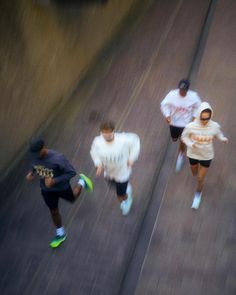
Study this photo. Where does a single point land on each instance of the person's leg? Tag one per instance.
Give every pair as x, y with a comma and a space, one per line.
84, 182
60, 231
129, 190
182, 146
202, 171
52, 200
56, 217
194, 164
121, 188
176, 135
122, 198
77, 191
123, 191
194, 169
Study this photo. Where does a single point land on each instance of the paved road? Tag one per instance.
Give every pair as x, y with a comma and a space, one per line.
187, 252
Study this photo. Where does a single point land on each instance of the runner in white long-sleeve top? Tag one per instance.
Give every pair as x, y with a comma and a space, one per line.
179, 108
113, 154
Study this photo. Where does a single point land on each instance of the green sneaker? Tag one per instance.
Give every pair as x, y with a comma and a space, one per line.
57, 241
88, 182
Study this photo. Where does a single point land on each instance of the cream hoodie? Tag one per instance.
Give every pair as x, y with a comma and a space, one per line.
114, 156
199, 138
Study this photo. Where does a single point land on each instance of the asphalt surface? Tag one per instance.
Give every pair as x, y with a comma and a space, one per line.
162, 246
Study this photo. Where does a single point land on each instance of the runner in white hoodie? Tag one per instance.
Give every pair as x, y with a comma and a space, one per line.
198, 137
114, 154
179, 108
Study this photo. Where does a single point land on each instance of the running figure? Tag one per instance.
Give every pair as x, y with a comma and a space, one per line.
198, 137
114, 154
179, 108
55, 173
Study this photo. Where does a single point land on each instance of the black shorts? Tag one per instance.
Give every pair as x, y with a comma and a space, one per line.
121, 187
175, 132
204, 163
51, 198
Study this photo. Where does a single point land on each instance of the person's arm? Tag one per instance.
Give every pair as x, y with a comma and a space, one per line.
134, 148
185, 137
196, 106
67, 171
219, 135
31, 174
165, 108
96, 159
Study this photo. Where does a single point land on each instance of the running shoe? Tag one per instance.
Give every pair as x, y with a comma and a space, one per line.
57, 241
88, 182
126, 205
196, 200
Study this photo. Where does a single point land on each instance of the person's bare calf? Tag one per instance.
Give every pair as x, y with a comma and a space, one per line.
56, 217
194, 169
77, 190
122, 198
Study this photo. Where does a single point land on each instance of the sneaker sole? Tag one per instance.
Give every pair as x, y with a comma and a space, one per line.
57, 244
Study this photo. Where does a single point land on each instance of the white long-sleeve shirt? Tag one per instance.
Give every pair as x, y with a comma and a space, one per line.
199, 138
114, 156
180, 109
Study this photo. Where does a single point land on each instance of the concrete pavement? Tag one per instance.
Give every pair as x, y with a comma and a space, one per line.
128, 88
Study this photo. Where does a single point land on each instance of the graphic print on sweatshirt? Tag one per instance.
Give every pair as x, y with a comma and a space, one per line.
43, 171
202, 139
113, 158
181, 111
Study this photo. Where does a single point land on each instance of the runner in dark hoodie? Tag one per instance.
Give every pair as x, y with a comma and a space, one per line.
55, 173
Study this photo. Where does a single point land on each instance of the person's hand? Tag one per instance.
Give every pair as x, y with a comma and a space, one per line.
99, 171
30, 176
130, 163
168, 120
49, 182
225, 140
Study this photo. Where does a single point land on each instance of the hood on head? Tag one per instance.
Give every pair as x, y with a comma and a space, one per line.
203, 106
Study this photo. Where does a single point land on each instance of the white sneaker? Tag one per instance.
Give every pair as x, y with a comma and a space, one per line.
179, 162
196, 200
126, 205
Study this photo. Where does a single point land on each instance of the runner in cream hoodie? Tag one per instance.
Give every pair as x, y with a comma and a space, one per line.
113, 154
198, 137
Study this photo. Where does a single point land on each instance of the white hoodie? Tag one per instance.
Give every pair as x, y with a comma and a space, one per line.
181, 109
199, 138
114, 156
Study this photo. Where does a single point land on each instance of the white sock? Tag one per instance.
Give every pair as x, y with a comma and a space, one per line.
60, 231
81, 182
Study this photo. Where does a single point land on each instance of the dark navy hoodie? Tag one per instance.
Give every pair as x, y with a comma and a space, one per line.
54, 165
